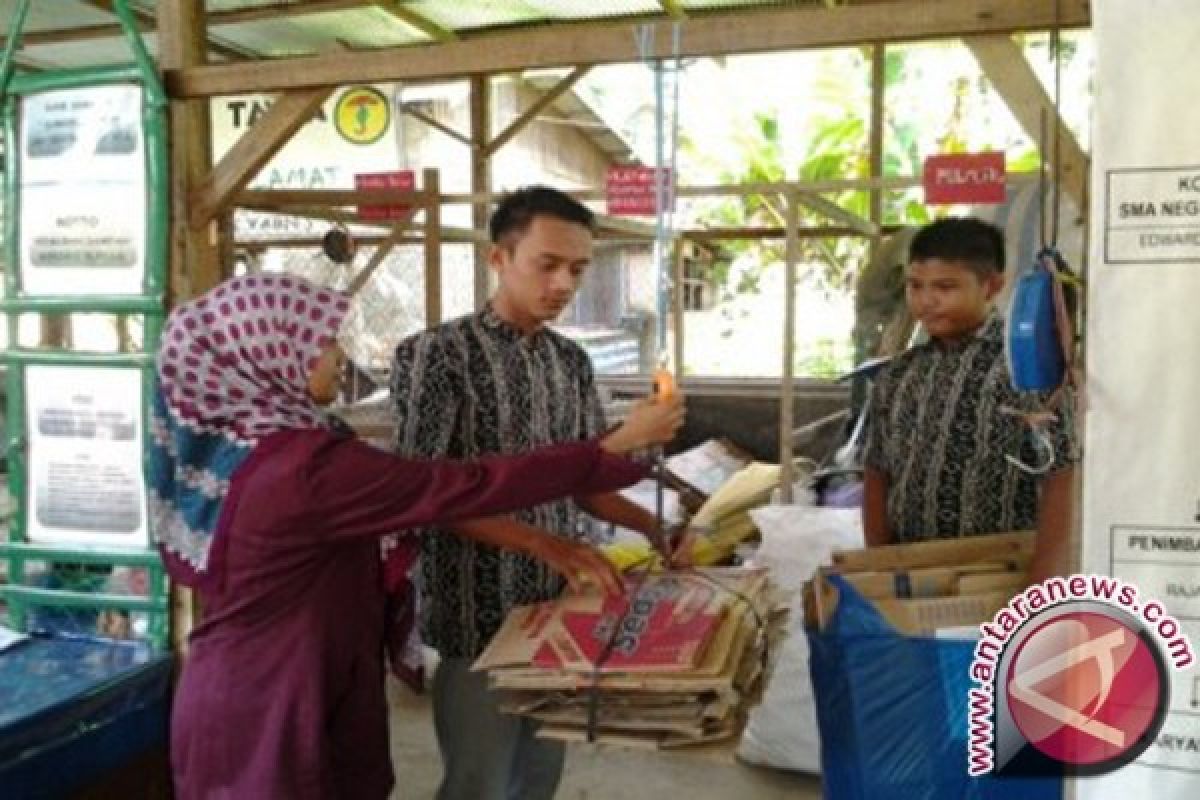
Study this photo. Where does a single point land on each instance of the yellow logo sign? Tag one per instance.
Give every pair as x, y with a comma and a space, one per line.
362, 115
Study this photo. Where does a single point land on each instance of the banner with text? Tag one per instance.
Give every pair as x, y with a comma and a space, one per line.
1141, 519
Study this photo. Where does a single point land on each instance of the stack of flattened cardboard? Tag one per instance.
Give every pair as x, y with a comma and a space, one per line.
673, 663
929, 586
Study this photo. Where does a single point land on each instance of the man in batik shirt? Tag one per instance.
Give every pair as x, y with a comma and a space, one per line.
500, 381
951, 451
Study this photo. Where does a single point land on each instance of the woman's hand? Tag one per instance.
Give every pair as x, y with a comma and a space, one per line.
581, 564
650, 422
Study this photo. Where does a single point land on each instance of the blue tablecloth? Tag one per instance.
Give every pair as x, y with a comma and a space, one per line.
73, 709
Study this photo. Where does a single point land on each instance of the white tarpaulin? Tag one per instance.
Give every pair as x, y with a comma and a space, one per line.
1141, 490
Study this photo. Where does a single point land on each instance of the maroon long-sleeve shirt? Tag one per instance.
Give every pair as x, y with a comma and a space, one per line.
282, 695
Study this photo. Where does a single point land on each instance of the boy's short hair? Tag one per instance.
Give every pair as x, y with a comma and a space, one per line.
516, 211
971, 241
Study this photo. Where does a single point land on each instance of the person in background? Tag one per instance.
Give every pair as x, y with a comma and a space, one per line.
950, 450
275, 520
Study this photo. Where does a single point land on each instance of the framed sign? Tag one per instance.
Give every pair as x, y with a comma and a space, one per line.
84, 426
82, 183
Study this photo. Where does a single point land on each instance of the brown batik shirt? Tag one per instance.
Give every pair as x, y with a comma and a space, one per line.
940, 433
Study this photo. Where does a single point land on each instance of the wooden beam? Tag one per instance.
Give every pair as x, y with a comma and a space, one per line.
194, 254
678, 276
435, 123
1006, 67
564, 45
704, 235
836, 213
282, 199
787, 394
194, 258
401, 11
381, 253
538, 106
27, 64
877, 125
431, 184
254, 149
481, 180
315, 242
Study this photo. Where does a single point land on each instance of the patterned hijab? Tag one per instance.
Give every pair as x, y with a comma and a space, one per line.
233, 368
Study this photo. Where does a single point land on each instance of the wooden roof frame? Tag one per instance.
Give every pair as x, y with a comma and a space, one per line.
592, 42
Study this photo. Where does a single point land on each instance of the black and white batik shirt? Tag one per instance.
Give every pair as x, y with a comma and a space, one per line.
475, 386
940, 432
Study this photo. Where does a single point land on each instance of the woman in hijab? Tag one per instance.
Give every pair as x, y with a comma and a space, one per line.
275, 520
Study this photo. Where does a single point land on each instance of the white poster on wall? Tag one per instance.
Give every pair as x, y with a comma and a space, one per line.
82, 170
353, 132
1141, 517
85, 481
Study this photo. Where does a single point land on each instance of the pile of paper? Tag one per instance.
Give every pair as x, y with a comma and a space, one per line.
674, 663
929, 587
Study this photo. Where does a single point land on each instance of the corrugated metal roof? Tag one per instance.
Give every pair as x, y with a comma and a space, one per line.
506, 13
316, 33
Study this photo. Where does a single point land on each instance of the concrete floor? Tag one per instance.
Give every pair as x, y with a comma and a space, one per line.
595, 773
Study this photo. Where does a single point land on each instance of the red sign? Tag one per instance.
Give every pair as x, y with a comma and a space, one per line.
630, 190
965, 178
402, 179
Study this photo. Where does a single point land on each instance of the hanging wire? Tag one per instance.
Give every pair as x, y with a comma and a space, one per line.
665, 165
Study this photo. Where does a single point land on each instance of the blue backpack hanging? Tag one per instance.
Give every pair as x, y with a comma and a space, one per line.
1034, 337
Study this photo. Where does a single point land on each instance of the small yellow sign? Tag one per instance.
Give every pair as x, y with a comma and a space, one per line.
362, 115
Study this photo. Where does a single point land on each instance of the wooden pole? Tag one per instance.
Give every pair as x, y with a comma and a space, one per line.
531, 113
194, 252
481, 177
678, 266
431, 179
195, 264
1009, 71
787, 387
878, 121
399, 228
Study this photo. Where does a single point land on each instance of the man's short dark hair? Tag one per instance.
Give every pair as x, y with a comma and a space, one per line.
978, 244
516, 211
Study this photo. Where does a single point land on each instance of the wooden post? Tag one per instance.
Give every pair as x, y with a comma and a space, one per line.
194, 253
878, 100
1009, 71
858, 387
481, 177
431, 182
55, 331
787, 387
382, 250
678, 269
